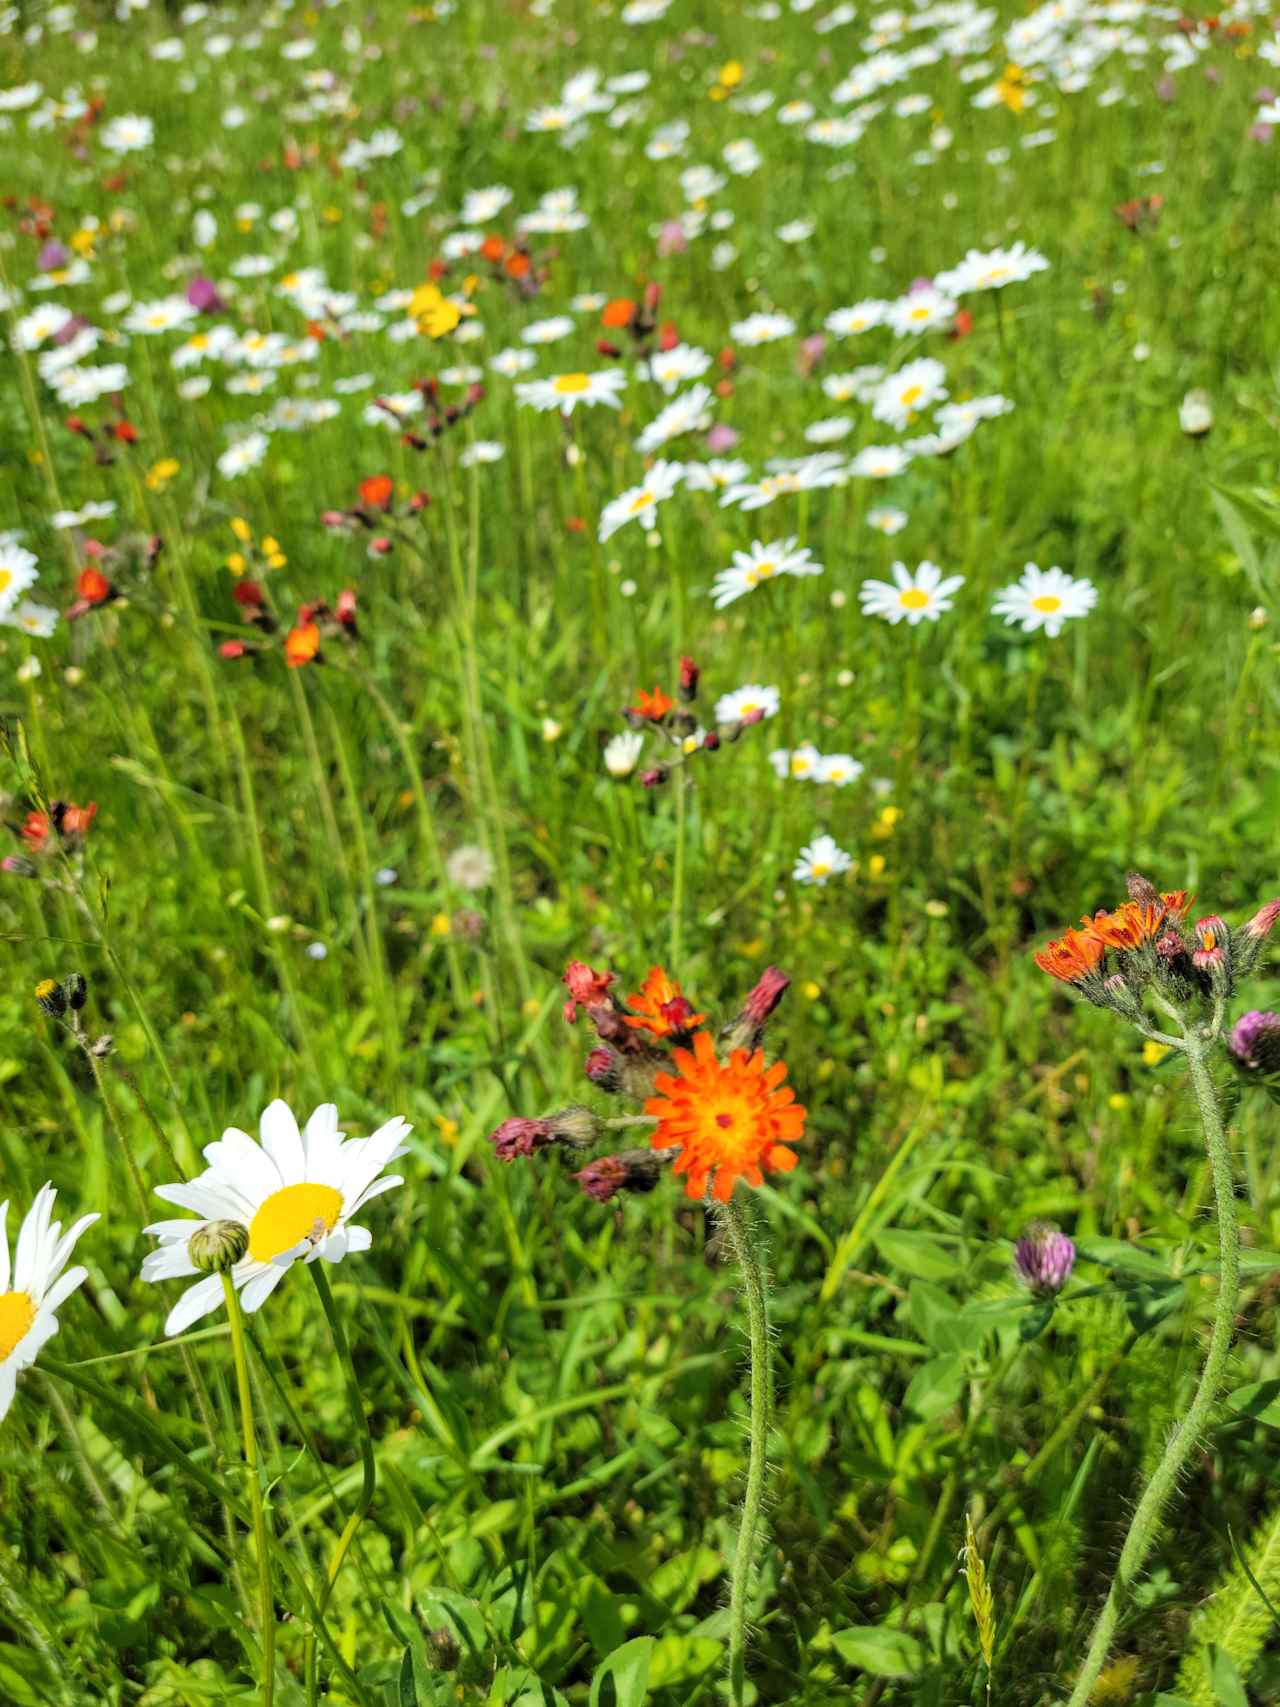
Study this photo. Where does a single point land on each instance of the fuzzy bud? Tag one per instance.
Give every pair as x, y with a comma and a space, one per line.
1141, 890
689, 674
1043, 1259
746, 1030
217, 1247
1251, 937
50, 996
1254, 1043
1212, 956
654, 778
75, 990
602, 1067
519, 1137
573, 1125
586, 988
633, 1170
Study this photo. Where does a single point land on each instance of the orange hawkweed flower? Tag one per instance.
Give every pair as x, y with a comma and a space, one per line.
654, 706
301, 645
729, 1122
92, 586
377, 490
1072, 957
493, 249
620, 312
660, 1008
1136, 922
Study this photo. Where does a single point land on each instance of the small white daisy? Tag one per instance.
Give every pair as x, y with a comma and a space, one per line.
1044, 598
885, 519
762, 329
820, 861
910, 598
802, 761
752, 701
565, 391
17, 573
35, 1288
639, 503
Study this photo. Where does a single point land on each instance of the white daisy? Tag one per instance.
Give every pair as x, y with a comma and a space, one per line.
802, 761
566, 390
1044, 598
880, 462
762, 328
639, 503
547, 331
17, 573
127, 134
992, 270
39, 621
622, 753
753, 701
295, 1194
247, 453
820, 861
910, 598
761, 563
885, 519
714, 475
672, 367
861, 317
35, 1288
905, 394
838, 769
921, 311
685, 414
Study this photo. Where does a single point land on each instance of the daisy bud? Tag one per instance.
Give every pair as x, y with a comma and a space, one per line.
49, 994
1254, 1044
217, 1247
574, 1125
520, 1137
1043, 1259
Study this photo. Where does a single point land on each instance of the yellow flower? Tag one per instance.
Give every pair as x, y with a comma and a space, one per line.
270, 544
236, 563
886, 823
810, 991
331, 215
82, 242
440, 925
875, 866
448, 1129
277, 560
433, 311
241, 529
1153, 1053
161, 473
731, 74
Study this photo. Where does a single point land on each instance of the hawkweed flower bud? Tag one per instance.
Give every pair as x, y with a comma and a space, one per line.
1212, 955
102, 1046
217, 1247
1254, 1043
640, 1070
574, 1125
50, 996
1251, 937
1121, 996
1043, 1259
519, 1137
1141, 889
76, 990
13, 865
689, 674
711, 741
603, 1068
654, 778
633, 1170
747, 1029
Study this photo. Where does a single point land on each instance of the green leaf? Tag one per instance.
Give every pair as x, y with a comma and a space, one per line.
1124, 1257
1227, 1688
1260, 1400
917, 1254
935, 1386
627, 1670
883, 1653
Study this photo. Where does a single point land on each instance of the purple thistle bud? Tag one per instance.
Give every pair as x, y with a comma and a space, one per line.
202, 293
1254, 1044
1043, 1258
519, 1137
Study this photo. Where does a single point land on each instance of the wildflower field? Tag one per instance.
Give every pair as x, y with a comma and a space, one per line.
641, 804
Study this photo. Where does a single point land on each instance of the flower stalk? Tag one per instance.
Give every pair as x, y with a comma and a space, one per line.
261, 1529
1196, 1045
748, 1249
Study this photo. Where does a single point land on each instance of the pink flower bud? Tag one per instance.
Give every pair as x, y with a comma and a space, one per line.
519, 1137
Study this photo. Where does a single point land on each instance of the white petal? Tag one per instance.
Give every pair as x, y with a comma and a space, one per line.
283, 1142
334, 1248
62, 1289
244, 1166
322, 1142
210, 1200
386, 1183
66, 1244
31, 1239
8, 1386
197, 1301
263, 1284
358, 1239
169, 1230
170, 1262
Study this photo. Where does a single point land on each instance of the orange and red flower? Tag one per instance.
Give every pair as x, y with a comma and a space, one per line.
1072, 957
1136, 922
654, 706
301, 645
728, 1121
660, 1008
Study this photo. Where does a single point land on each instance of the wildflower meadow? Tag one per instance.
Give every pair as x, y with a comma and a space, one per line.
640, 797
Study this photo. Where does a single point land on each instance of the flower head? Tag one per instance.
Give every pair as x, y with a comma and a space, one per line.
35, 1287
729, 1121
1073, 957
660, 1009
1254, 1043
586, 988
296, 1194
1043, 1258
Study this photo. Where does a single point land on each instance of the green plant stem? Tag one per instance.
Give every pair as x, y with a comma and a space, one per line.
747, 1248
369, 1478
1146, 1519
261, 1535
677, 886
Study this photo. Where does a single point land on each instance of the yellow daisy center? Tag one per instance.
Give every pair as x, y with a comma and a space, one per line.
820, 869
1047, 602
566, 383
762, 571
289, 1216
911, 395
799, 765
746, 710
641, 501
914, 598
17, 1312
921, 313
5, 578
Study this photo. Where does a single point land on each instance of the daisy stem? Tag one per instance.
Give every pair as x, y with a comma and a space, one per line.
369, 1469
677, 884
261, 1533
1182, 1441
748, 1248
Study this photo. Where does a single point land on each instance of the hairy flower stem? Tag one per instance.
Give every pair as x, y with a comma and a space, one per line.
261, 1538
747, 1247
369, 1469
1146, 1519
